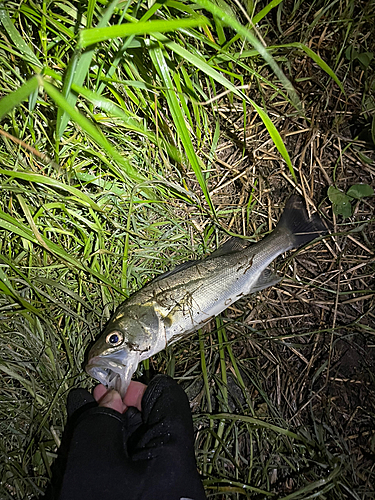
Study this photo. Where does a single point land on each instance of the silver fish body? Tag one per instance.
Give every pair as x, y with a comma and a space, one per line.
182, 300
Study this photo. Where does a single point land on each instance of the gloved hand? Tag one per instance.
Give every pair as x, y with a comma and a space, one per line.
147, 455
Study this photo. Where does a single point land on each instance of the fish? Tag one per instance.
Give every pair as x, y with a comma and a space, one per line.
179, 302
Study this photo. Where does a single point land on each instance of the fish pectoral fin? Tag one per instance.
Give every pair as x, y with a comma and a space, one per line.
267, 278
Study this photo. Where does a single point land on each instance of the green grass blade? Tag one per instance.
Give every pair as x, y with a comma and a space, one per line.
95, 133
127, 43
129, 122
209, 71
199, 63
95, 35
7, 288
81, 63
179, 119
14, 99
14, 226
26, 384
16, 38
316, 58
90, 12
223, 387
113, 109
256, 422
321, 485
275, 137
49, 181
232, 487
240, 380
258, 17
246, 33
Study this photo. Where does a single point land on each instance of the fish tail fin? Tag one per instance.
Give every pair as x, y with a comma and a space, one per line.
296, 221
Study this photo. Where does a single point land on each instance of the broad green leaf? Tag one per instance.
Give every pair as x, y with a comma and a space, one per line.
365, 58
95, 35
12, 100
350, 53
335, 195
340, 202
359, 191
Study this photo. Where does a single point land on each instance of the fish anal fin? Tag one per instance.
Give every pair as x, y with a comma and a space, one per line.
266, 279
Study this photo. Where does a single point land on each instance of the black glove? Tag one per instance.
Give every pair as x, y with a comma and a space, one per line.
146, 455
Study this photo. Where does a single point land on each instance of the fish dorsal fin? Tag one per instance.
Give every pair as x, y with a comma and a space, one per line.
267, 278
177, 269
234, 244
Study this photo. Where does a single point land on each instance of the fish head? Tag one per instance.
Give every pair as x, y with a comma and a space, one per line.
130, 336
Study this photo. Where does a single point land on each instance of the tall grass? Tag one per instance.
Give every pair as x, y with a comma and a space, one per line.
111, 123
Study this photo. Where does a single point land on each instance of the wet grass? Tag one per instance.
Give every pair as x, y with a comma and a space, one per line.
136, 138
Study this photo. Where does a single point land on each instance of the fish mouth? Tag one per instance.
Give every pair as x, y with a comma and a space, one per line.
109, 372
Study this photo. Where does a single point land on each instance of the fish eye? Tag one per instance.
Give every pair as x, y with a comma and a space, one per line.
114, 339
